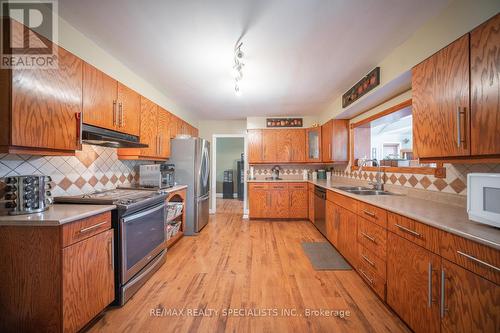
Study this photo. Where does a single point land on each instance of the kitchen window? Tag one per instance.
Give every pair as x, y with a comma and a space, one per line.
388, 138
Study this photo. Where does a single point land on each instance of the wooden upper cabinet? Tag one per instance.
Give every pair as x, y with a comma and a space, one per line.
173, 126
413, 284
485, 88
163, 133
298, 142
282, 140
269, 146
313, 144
326, 141
441, 115
335, 140
129, 110
45, 120
254, 151
149, 128
471, 303
99, 98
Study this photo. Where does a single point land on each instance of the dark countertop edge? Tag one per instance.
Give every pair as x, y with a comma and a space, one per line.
434, 224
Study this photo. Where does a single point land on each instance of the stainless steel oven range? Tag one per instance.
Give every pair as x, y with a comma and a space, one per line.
139, 228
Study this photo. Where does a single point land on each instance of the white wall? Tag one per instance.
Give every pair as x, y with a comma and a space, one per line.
78, 44
460, 17
207, 128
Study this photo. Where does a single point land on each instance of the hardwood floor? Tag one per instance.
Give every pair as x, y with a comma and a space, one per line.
229, 206
255, 266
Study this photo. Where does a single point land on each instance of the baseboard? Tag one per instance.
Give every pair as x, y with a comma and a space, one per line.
220, 195
211, 211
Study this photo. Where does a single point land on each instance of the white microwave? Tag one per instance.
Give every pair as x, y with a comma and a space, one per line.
483, 198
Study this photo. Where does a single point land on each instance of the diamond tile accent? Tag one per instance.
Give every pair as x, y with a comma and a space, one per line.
93, 181
65, 183
402, 179
440, 184
113, 179
104, 180
413, 181
457, 185
425, 182
122, 178
80, 182
393, 178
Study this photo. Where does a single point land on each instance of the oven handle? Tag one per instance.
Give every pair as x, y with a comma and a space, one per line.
144, 213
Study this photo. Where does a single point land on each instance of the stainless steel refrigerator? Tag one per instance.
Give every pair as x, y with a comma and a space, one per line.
192, 168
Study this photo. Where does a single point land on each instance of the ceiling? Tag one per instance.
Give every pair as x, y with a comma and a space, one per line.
300, 54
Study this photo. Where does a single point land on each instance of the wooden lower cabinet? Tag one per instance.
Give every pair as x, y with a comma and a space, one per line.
278, 200
470, 302
347, 235
310, 195
413, 284
332, 220
56, 278
88, 280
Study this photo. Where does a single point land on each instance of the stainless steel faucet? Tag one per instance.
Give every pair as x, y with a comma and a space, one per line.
276, 172
378, 185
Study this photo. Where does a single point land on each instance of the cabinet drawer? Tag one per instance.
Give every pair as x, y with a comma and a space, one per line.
416, 232
310, 187
478, 258
297, 186
342, 201
76, 231
258, 186
373, 214
372, 237
376, 264
376, 282
279, 186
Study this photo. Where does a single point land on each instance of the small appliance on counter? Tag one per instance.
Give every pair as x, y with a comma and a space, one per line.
483, 198
157, 175
26, 194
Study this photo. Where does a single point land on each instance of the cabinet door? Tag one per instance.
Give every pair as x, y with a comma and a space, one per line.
47, 120
313, 144
413, 284
88, 280
129, 108
283, 144
99, 98
470, 303
173, 126
280, 202
340, 140
254, 146
332, 220
163, 133
269, 147
258, 201
298, 201
298, 145
485, 88
347, 235
326, 141
149, 125
440, 89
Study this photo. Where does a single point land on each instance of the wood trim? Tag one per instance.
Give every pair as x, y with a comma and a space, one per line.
383, 113
35, 151
438, 172
464, 159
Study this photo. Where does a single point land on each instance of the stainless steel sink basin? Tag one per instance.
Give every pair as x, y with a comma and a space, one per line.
352, 188
273, 178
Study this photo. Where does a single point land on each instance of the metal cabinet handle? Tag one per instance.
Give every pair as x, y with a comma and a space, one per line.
368, 260
372, 239
114, 113
371, 214
411, 232
79, 128
160, 143
112, 253
429, 285
443, 309
366, 276
468, 256
120, 108
84, 230
460, 140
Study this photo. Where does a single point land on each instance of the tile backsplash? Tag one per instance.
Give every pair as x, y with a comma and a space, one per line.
91, 169
455, 181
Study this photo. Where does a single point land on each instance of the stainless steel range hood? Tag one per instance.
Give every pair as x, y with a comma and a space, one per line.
103, 137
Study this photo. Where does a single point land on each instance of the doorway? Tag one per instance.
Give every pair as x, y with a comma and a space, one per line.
228, 190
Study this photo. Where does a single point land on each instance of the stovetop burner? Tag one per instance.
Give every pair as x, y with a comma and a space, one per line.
121, 197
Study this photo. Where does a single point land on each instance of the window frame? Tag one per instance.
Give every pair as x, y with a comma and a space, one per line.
439, 171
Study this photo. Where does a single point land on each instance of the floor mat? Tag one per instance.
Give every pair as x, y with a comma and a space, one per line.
323, 256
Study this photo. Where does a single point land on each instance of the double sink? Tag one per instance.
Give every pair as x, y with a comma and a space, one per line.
360, 190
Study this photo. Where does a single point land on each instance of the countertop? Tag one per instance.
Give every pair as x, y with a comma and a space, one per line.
449, 218
57, 214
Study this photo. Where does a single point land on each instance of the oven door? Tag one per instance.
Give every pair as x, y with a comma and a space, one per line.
142, 237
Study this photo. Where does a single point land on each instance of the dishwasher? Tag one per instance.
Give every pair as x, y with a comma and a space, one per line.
320, 209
